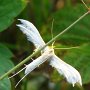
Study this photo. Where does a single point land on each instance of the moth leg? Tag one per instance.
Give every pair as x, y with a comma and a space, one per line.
17, 73
21, 80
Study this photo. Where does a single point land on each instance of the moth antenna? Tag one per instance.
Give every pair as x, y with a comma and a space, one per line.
68, 48
52, 28
17, 73
85, 4
20, 80
52, 32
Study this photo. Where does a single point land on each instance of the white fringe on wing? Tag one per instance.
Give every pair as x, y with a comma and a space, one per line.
31, 32
69, 72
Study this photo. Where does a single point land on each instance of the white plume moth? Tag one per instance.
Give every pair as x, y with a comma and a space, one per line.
70, 73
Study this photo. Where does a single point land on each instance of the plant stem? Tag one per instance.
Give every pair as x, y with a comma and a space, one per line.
52, 40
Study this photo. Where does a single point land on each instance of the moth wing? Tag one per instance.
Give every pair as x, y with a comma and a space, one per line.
35, 63
69, 72
31, 32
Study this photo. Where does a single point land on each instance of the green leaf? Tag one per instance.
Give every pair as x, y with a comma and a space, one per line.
80, 59
5, 52
43, 11
78, 34
5, 65
5, 84
9, 9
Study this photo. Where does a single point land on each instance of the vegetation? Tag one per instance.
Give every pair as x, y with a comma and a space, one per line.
14, 46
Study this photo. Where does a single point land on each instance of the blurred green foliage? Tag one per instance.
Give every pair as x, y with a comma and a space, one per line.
9, 9
78, 34
5, 65
79, 58
41, 13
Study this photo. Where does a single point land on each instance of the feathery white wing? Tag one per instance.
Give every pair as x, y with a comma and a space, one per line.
30, 67
31, 32
46, 55
69, 72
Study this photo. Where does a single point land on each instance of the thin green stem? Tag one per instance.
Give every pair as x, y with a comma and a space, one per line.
85, 4
52, 40
68, 48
